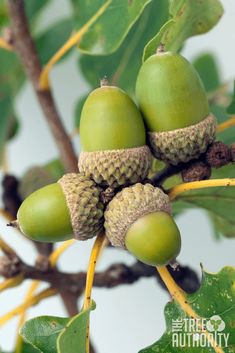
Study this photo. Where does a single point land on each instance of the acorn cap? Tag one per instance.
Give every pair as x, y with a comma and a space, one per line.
182, 145
116, 167
129, 205
83, 200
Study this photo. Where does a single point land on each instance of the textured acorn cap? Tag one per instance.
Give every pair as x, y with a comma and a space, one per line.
83, 200
182, 145
116, 167
129, 205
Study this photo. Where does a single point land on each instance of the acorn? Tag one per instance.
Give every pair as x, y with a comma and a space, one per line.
38, 176
57, 212
113, 138
175, 108
139, 219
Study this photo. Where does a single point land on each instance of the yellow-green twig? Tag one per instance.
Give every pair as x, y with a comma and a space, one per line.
180, 297
181, 188
31, 302
226, 124
11, 282
5, 45
19, 339
54, 257
99, 244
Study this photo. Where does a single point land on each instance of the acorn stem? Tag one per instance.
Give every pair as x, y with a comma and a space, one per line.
104, 81
161, 49
13, 224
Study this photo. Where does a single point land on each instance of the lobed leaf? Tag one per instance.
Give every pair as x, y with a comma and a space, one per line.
33, 8
52, 39
207, 68
231, 107
189, 18
122, 67
73, 338
108, 32
42, 332
49, 334
214, 302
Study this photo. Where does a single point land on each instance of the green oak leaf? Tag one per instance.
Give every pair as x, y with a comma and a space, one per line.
231, 107
53, 38
50, 334
219, 201
4, 19
108, 32
207, 67
122, 67
73, 338
42, 332
227, 136
11, 73
33, 8
189, 18
5, 113
11, 80
213, 302
223, 227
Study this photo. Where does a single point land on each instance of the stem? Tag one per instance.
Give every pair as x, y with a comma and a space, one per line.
19, 339
95, 252
54, 257
11, 282
181, 298
5, 45
26, 51
75, 38
70, 304
161, 49
32, 301
227, 124
69, 298
179, 189
7, 249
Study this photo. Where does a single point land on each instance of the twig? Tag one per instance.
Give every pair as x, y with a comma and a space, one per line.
25, 48
46, 293
181, 188
99, 244
5, 45
226, 124
181, 298
113, 276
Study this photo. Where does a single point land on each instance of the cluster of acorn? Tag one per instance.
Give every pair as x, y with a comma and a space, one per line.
116, 153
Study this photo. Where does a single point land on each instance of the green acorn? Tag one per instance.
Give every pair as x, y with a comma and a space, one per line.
174, 104
139, 219
69, 208
38, 176
113, 139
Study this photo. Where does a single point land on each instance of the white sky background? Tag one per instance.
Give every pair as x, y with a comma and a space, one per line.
129, 317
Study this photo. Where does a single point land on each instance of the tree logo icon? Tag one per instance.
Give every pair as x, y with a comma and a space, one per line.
215, 324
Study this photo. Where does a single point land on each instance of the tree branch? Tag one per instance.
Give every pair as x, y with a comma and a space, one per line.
25, 48
113, 276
